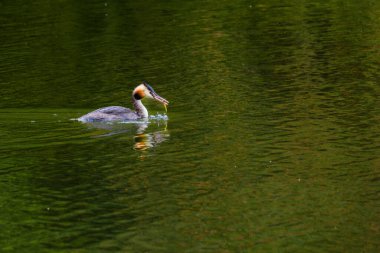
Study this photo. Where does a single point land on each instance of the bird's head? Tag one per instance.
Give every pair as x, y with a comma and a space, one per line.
145, 90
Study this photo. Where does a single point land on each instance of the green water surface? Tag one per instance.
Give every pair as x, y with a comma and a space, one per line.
272, 142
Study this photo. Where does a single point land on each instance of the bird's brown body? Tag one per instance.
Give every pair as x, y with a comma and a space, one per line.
119, 113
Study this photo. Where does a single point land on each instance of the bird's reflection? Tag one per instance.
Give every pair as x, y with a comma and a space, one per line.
146, 135
145, 141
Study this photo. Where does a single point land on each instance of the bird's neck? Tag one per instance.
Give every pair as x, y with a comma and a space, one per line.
140, 108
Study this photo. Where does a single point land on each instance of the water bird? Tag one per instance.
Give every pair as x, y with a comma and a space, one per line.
119, 113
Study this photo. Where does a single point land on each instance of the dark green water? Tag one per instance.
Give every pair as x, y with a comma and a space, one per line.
272, 142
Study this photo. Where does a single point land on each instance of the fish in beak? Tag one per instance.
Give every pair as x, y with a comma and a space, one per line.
155, 96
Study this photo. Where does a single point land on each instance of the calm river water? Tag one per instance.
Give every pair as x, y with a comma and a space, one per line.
272, 142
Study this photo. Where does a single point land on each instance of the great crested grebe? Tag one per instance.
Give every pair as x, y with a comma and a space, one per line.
119, 113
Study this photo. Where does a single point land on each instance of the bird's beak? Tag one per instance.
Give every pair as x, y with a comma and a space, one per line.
160, 99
